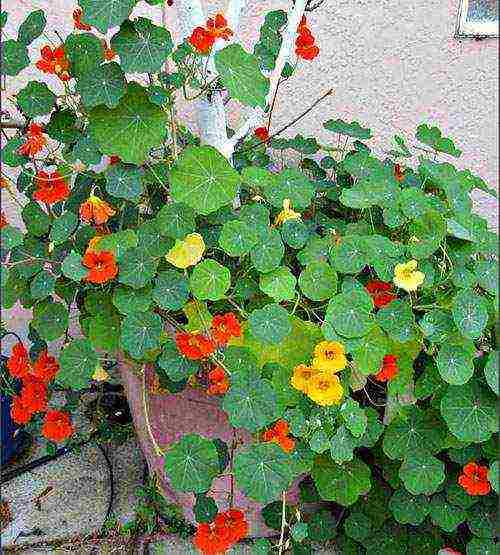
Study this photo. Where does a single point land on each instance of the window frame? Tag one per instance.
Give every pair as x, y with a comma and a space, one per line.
477, 29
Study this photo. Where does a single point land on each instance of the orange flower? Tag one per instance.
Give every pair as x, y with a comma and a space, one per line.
55, 62
304, 43
3, 220
234, 521
218, 381
96, 210
474, 479
398, 173
35, 141
262, 133
19, 362
388, 370
20, 410
109, 53
34, 394
45, 367
278, 433
217, 537
77, 20
194, 345
380, 292
224, 327
102, 266
203, 38
50, 188
57, 426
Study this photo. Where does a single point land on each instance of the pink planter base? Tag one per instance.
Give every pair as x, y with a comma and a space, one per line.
172, 416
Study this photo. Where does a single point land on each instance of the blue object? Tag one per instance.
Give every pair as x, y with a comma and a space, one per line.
11, 441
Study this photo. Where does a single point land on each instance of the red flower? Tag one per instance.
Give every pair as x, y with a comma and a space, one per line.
96, 210
304, 43
203, 38
20, 410
45, 367
380, 292
35, 141
194, 345
234, 521
217, 537
218, 381
113, 159
77, 20
212, 540
57, 426
388, 370
55, 62
19, 362
398, 173
262, 134
109, 53
474, 479
50, 188
224, 327
3, 220
102, 266
34, 393
278, 433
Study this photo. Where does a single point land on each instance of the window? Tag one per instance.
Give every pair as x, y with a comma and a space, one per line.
478, 18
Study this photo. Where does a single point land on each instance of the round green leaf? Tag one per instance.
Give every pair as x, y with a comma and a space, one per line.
342, 445
128, 300
32, 27
342, 483
422, 473
295, 233
241, 75
171, 290
478, 546
103, 85
487, 275
73, 268
203, 179
36, 99
397, 320
86, 151
455, 363
357, 526
50, 320
251, 402
176, 220
78, 362
142, 46
437, 326
427, 232
63, 227
482, 518
289, 184
354, 417
279, 284
322, 526
470, 313
352, 129
105, 16
494, 476
141, 332
137, 268
175, 365
318, 281
124, 181
267, 255
131, 129
36, 220
270, 324
14, 57
210, 280
263, 471
192, 463
237, 238
11, 237
407, 508
104, 331
350, 256
349, 313
205, 508
444, 514
470, 412
43, 285
85, 53
368, 351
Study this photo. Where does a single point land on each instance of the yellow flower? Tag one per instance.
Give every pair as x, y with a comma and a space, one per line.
325, 389
286, 214
301, 376
100, 375
407, 277
187, 252
329, 356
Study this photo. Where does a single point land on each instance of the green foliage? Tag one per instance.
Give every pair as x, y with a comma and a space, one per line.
390, 453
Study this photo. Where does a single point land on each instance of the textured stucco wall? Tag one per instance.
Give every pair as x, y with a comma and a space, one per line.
393, 64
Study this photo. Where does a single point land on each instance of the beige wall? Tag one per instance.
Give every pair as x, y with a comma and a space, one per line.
393, 64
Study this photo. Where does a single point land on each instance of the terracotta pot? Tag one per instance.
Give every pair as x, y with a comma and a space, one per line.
167, 418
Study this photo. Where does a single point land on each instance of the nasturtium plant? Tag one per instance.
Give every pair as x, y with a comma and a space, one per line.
336, 307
